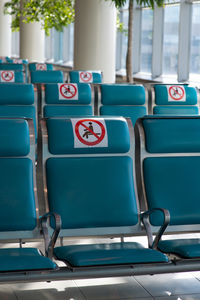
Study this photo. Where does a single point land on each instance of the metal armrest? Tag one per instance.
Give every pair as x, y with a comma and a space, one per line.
153, 243
50, 240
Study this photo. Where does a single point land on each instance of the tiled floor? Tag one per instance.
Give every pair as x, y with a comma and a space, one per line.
179, 286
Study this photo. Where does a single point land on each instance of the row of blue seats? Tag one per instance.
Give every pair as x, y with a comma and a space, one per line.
73, 76
18, 73
120, 99
63, 99
7, 59
81, 76
163, 99
97, 177
45, 73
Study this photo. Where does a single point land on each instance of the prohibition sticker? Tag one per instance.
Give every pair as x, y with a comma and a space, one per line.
68, 91
41, 67
17, 61
176, 93
7, 76
89, 133
85, 77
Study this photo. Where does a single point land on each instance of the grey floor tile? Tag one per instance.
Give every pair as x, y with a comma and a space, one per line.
146, 298
59, 290
7, 292
170, 284
196, 275
112, 288
181, 297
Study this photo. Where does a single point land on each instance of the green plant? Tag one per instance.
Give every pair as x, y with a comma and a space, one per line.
51, 13
120, 25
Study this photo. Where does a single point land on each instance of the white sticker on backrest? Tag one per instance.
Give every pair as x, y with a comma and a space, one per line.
176, 93
17, 61
41, 67
85, 77
89, 133
7, 76
68, 91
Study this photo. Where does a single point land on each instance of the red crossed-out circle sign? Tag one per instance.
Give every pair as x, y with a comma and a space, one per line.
176, 92
85, 76
41, 67
99, 137
17, 61
68, 90
7, 75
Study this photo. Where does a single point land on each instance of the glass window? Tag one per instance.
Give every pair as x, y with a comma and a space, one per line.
68, 44
126, 5
146, 40
49, 53
195, 40
170, 39
58, 46
124, 39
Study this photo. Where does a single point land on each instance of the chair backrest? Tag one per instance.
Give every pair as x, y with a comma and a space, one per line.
174, 100
11, 76
17, 60
18, 101
40, 67
2, 59
18, 200
168, 175
46, 77
67, 99
85, 76
12, 66
89, 175
123, 100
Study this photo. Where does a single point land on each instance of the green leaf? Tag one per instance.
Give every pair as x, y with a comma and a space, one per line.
51, 13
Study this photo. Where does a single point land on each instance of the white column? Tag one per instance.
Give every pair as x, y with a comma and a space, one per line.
5, 31
32, 42
158, 32
185, 24
95, 37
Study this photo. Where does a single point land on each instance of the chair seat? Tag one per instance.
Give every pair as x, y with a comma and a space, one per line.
16, 259
132, 112
186, 248
176, 110
107, 254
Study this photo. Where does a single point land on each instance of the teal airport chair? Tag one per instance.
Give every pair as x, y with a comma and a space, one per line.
88, 171
174, 100
49, 76
168, 160
15, 66
18, 101
76, 76
11, 76
67, 99
19, 216
40, 67
122, 100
